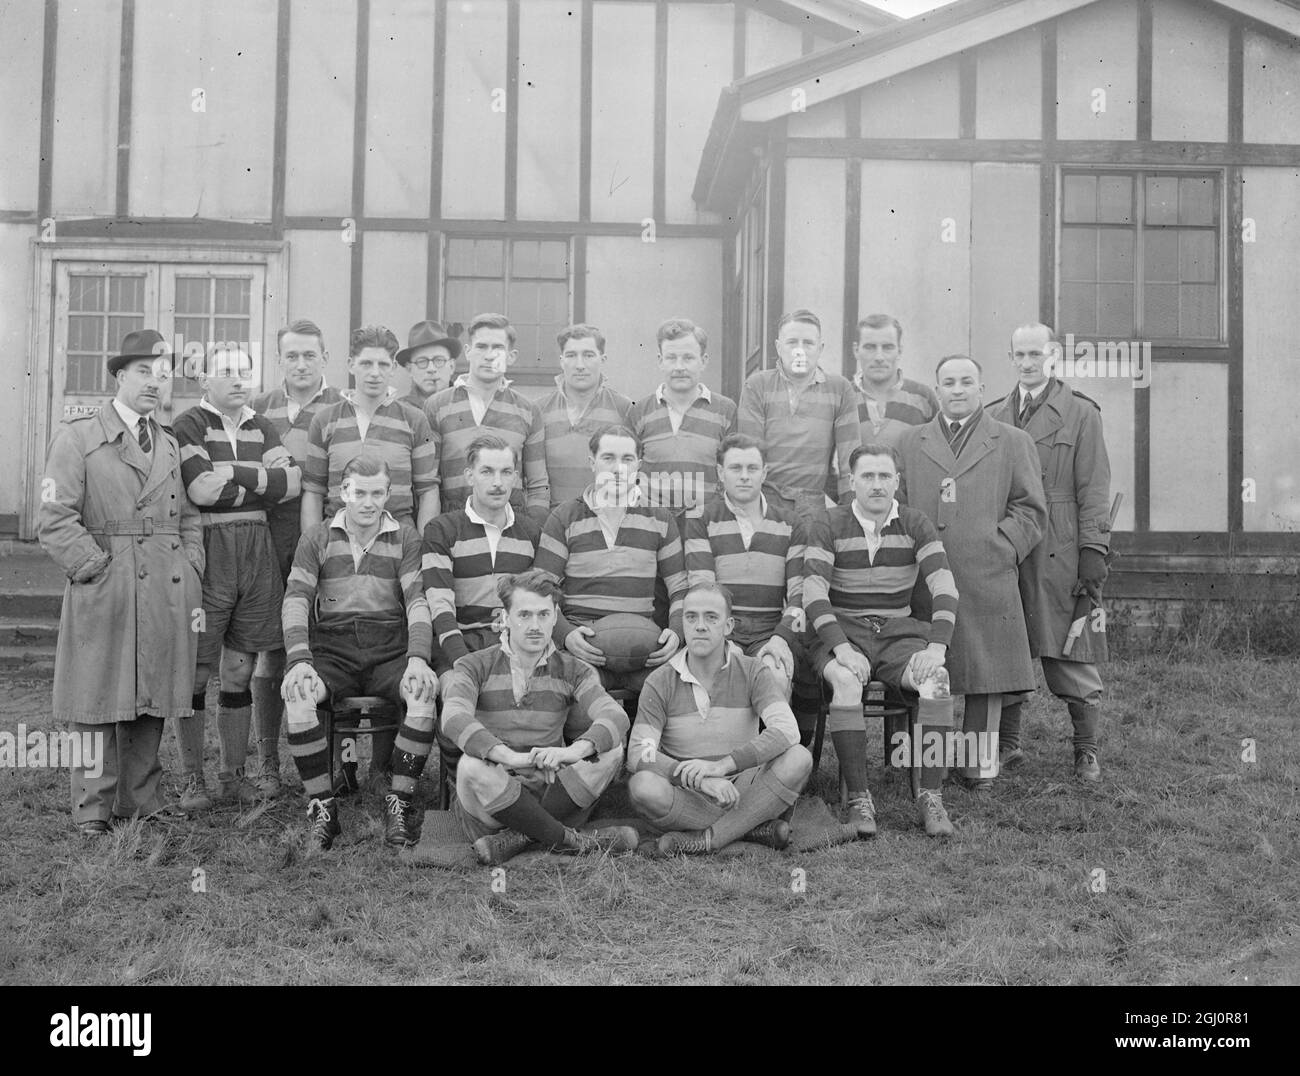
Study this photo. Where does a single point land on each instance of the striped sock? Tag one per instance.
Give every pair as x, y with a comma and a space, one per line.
411, 749
310, 749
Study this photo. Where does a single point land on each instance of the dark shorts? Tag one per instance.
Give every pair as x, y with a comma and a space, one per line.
889, 649
242, 591
363, 657
285, 532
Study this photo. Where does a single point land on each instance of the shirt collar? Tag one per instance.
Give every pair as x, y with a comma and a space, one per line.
559, 384
860, 384
316, 396
127, 415
515, 659
351, 396
245, 412
818, 378
871, 530
474, 517
703, 393
762, 504
1033, 394
634, 497
678, 662
386, 522
462, 382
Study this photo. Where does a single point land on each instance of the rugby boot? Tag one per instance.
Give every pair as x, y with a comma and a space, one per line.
323, 823
1086, 766
930, 811
861, 812
775, 834
498, 847
685, 843
609, 839
397, 821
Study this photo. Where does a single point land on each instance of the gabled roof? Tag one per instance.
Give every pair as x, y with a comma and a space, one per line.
747, 104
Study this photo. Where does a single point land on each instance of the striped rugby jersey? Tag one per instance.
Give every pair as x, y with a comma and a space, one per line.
326, 581
264, 472
460, 575
480, 711
681, 469
511, 416
598, 579
765, 580
567, 465
842, 579
293, 435
676, 719
911, 404
398, 434
799, 443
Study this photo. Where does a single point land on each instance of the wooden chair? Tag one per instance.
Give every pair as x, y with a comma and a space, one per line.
344, 721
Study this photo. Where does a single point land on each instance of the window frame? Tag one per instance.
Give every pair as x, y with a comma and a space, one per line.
1211, 349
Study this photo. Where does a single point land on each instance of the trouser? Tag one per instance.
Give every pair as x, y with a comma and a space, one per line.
1078, 683
127, 785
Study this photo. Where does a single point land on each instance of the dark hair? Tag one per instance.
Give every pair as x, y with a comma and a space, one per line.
534, 581
880, 321
301, 327
230, 347
492, 321
593, 445
799, 315
676, 328
489, 442
709, 588
954, 358
365, 466
372, 336
739, 440
581, 332
872, 450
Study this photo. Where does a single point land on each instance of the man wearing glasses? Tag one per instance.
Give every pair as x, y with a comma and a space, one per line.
430, 358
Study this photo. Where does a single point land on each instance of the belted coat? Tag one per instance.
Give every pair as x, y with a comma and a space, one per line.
127, 641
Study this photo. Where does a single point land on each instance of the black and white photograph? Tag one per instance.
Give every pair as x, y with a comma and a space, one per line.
651, 493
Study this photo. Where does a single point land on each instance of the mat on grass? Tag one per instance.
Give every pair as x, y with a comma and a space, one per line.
443, 844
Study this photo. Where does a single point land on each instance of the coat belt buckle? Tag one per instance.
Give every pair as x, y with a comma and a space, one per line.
148, 526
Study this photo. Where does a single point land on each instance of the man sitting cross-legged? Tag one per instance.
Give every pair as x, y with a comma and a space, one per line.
505, 708
860, 568
360, 573
701, 769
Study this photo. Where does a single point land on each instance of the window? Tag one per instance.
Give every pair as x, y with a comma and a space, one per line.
209, 309
1141, 255
102, 308
527, 280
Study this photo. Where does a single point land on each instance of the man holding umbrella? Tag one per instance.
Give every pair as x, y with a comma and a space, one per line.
1070, 562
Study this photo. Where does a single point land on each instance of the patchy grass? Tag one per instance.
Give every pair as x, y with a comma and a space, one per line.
1197, 846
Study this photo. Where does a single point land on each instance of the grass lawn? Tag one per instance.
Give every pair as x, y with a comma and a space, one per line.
1198, 846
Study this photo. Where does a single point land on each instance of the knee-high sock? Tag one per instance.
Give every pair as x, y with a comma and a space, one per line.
766, 798
189, 734
525, 814
1086, 717
234, 718
849, 735
381, 749
412, 747
557, 802
933, 725
1009, 728
310, 749
268, 713
983, 717
805, 701
677, 817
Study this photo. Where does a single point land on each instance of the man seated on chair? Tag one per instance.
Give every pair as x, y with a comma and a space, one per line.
701, 768
754, 548
606, 550
860, 566
360, 573
467, 551
505, 707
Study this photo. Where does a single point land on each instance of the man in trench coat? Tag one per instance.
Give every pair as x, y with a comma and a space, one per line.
1071, 559
978, 481
115, 517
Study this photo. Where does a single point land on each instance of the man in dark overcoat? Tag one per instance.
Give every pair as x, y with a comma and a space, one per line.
115, 517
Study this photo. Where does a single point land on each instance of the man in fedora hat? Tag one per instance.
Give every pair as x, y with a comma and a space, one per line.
115, 517
430, 358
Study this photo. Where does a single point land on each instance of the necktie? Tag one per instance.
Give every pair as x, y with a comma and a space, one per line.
956, 428
146, 444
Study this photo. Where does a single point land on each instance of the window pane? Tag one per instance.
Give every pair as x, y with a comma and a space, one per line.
84, 373
553, 304
85, 333
555, 261
193, 330
1078, 308
1115, 310
1196, 200
489, 257
126, 294
119, 326
1080, 198
233, 295
1196, 261
1161, 256
1078, 253
1200, 312
234, 330
1115, 255
1162, 200
1161, 310
86, 293
1115, 197
192, 294
525, 258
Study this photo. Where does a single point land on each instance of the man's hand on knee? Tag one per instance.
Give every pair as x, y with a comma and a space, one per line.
419, 682
928, 664
855, 662
302, 684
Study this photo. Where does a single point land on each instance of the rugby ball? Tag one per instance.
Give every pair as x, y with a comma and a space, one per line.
625, 639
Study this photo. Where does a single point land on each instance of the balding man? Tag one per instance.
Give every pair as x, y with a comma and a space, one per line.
1065, 426
977, 479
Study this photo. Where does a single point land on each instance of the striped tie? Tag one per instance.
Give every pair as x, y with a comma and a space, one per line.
146, 443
